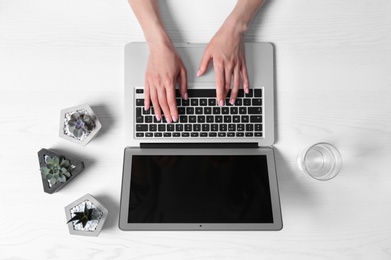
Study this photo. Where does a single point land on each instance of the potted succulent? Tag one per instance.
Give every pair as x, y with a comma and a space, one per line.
57, 170
79, 124
85, 216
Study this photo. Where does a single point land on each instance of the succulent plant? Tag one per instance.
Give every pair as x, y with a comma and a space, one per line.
80, 123
56, 170
83, 217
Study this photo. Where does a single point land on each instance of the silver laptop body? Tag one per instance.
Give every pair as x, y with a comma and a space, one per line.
260, 66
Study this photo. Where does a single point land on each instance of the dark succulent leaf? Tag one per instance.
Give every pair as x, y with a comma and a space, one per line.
53, 181
75, 116
67, 174
72, 123
77, 133
48, 160
45, 171
56, 160
62, 178
87, 119
64, 163
83, 217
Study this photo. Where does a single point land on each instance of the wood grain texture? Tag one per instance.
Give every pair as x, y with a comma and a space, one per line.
333, 83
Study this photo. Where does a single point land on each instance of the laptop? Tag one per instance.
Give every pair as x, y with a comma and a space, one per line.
214, 169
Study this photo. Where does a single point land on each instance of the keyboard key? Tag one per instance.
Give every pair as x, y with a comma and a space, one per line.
258, 127
185, 103
216, 110
170, 127
250, 93
184, 134
245, 119
240, 127
214, 127
223, 127
239, 102
194, 102
203, 102
141, 128
247, 102
218, 119
196, 127
179, 127
139, 91
209, 119
258, 92
258, 134
240, 134
254, 119
241, 93
231, 134
167, 134
201, 92
212, 134
181, 111
255, 110
188, 127
152, 128
212, 102
158, 135
249, 127
249, 134
192, 119
225, 110
231, 127
203, 134
194, 134
176, 134
139, 134
257, 102
227, 119
178, 102
205, 127
139, 102
149, 135
207, 110
222, 135
161, 127
139, 119
183, 119
234, 110
201, 119
198, 110
190, 110
236, 119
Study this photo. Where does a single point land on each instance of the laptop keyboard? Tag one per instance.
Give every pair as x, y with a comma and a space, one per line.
201, 117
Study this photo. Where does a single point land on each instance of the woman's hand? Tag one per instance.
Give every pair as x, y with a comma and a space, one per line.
164, 69
229, 61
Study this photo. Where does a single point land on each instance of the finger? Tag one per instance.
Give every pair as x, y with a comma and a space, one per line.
147, 98
235, 87
246, 84
219, 73
171, 99
228, 78
163, 104
156, 106
183, 83
206, 57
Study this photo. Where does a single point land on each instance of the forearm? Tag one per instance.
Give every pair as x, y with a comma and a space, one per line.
242, 15
148, 15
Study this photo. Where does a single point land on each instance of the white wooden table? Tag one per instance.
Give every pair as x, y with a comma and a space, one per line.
333, 74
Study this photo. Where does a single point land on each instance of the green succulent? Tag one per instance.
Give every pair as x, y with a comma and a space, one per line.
80, 123
56, 170
83, 217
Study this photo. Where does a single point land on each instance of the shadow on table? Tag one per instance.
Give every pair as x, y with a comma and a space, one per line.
106, 118
113, 208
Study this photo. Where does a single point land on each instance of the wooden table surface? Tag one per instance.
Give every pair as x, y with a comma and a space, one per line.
333, 84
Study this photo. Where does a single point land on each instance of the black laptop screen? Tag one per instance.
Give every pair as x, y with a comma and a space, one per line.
200, 189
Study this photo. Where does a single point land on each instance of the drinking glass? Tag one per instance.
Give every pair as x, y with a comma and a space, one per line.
321, 161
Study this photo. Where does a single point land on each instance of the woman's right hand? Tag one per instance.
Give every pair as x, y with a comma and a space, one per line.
164, 69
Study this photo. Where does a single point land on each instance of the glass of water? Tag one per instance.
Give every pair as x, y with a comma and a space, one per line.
321, 161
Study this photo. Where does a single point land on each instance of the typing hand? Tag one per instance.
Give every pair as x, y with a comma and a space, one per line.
164, 69
227, 51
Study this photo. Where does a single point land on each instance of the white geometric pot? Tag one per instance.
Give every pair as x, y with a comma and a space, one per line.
78, 133
93, 227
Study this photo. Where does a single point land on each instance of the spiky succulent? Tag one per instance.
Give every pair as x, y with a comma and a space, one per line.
80, 123
56, 170
83, 217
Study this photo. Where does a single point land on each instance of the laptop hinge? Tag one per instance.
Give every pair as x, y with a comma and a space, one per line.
198, 145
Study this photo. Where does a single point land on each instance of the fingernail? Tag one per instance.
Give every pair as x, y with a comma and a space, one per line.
246, 90
185, 96
198, 73
174, 118
158, 118
233, 101
168, 120
221, 103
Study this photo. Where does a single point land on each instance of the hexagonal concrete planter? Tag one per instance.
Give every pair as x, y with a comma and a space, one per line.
74, 167
92, 227
79, 124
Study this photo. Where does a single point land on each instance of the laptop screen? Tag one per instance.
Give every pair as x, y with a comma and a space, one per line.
199, 189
